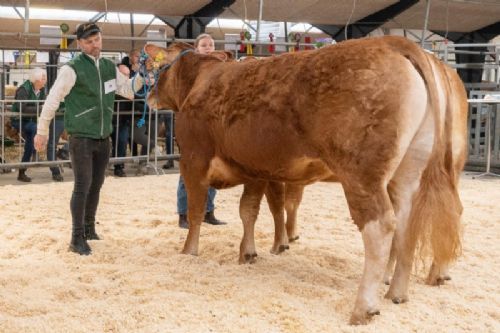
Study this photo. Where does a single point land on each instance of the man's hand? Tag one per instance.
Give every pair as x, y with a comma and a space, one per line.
40, 142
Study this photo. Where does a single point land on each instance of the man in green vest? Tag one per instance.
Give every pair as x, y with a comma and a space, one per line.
87, 84
30, 92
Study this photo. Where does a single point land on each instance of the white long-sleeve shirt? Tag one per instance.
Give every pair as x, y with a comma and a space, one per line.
65, 81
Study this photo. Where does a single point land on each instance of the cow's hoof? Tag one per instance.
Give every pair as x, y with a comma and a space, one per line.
396, 299
399, 300
293, 239
446, 277
248, 258
277, 249
191, 252
387, 279
437, 281
283, 248
363, 318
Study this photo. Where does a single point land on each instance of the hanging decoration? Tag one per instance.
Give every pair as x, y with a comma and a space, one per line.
27, 58
242, 39
294, 37
297, 41
307, 40
64, 40
248, 36
291, 40
271, 46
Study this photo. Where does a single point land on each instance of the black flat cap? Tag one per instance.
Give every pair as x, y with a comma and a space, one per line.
85, 30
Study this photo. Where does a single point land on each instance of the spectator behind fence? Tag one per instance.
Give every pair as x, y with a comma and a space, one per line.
31, 90
55, 132
203, 44
87, 84
140, 134
168, 120
121, 127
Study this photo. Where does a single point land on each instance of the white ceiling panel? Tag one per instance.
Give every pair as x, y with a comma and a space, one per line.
456, 15
451, 15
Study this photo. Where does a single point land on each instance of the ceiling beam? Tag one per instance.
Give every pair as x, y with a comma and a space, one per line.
373, 21
171, 21
194, 24
97, 17
207, 13
242, 19
367, 24
18, 12
481, 35
147, 26
328, 29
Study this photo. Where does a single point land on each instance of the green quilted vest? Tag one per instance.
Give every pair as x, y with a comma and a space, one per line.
89, 109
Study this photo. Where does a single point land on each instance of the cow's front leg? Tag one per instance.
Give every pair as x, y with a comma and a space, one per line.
377, 238
197, 196
249, 210
390, 264
293, 197
275, 194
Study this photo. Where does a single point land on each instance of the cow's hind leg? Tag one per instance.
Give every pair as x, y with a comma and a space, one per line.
275, 194
402, 189
249, 210
438, 274
373, 213
293, 197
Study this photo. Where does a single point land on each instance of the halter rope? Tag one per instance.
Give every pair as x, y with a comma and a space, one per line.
146, 88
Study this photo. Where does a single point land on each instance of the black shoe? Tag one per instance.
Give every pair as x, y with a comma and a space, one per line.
22, 177
168, 165
120, 173
90, 233
183, 222
211, 219
79, 245
57, 177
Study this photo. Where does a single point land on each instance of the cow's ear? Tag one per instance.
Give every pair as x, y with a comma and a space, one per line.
230, 55
154, 51
222, 55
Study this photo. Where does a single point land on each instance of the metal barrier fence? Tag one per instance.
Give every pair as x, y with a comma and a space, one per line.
126, 114
484, 130
483, 136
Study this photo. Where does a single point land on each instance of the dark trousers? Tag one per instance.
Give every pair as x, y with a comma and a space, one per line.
120, 140
28, 132
168, 119
89, 158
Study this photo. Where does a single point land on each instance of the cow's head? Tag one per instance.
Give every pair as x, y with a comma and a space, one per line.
158, 60
159, 57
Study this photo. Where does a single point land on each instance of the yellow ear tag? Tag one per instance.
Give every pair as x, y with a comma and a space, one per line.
159, 57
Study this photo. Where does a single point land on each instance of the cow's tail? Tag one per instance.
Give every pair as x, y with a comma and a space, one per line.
434, 224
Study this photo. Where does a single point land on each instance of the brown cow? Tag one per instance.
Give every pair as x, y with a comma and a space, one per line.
372, 111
